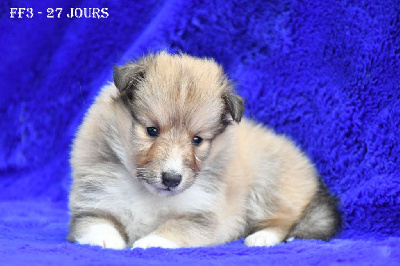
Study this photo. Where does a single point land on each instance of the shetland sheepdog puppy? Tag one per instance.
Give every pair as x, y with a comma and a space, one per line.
165, 159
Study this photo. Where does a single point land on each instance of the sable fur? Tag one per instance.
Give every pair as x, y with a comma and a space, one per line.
243, 180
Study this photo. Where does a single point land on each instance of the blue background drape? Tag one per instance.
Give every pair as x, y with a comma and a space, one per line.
325, 73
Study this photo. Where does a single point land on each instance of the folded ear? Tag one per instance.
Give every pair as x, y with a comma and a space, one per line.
128, 76
234, 104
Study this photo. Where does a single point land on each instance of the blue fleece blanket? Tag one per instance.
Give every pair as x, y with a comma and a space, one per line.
325, 73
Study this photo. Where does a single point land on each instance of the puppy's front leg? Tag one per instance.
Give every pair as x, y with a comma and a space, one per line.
190, 230
97, 229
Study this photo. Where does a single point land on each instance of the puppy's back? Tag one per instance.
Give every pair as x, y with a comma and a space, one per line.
285, 187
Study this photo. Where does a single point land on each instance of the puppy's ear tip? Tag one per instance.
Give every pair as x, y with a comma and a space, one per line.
115, 69
238, 119
119, 77
235, 105
127, 75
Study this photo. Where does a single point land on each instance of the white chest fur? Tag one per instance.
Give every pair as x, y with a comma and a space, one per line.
142, 212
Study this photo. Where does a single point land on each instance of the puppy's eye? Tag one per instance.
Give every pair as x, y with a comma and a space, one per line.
153, 131
197, 140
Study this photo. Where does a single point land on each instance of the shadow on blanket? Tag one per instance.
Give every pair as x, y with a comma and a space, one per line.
325, 73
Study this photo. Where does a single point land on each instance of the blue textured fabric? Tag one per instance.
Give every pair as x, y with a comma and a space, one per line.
325, 73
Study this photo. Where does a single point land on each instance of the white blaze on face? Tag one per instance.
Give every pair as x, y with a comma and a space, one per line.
174, 162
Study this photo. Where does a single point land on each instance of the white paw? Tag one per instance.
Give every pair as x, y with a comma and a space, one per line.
154, 240
263, 238
103, 235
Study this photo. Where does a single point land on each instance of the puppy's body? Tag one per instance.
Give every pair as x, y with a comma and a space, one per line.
242, 180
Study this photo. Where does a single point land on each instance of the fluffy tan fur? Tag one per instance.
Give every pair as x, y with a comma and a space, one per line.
242, 180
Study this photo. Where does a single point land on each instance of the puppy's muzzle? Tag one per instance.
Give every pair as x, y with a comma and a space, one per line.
171, 179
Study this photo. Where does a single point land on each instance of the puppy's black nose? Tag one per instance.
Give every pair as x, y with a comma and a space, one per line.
171, 179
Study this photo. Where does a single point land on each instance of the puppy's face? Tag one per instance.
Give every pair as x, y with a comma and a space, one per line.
179, 105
